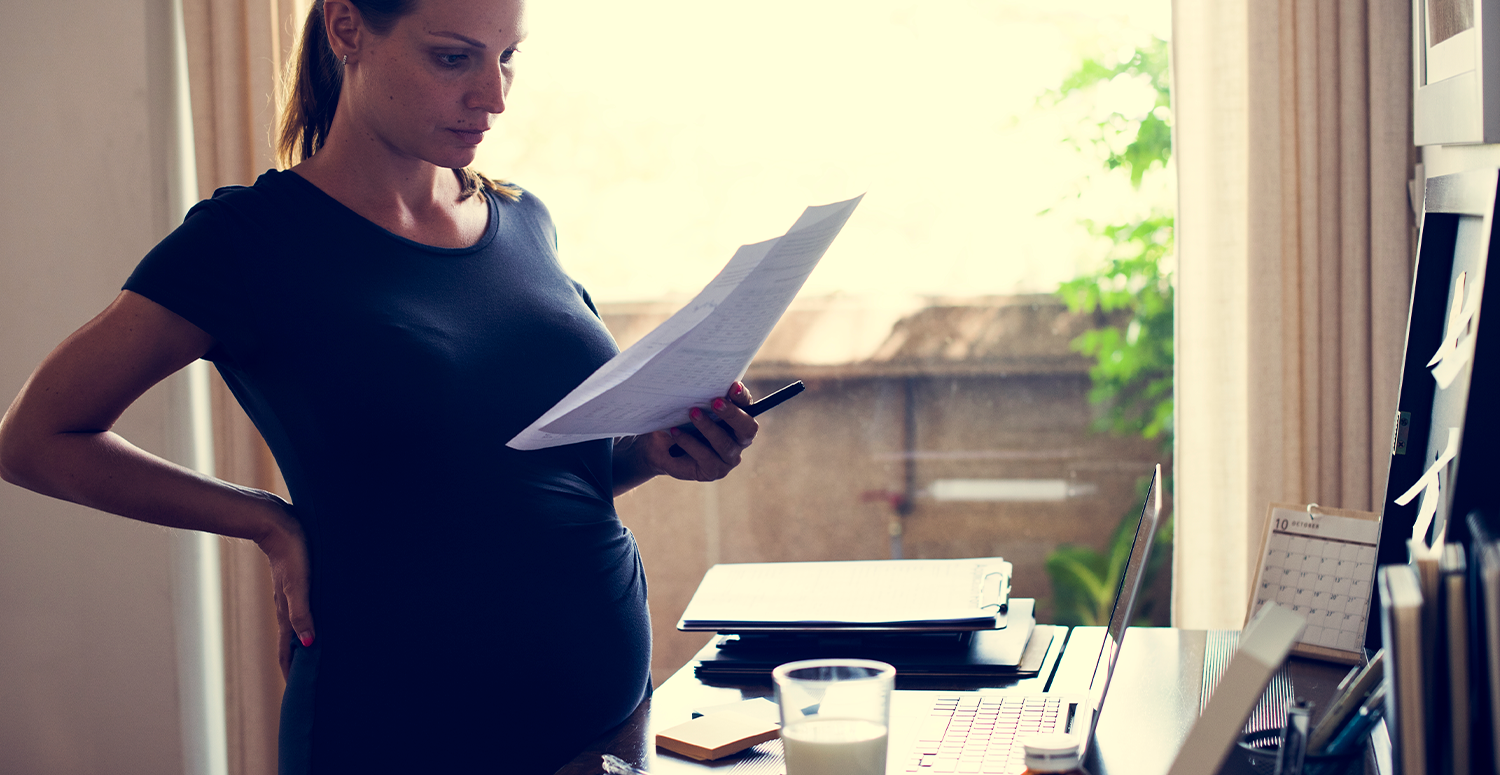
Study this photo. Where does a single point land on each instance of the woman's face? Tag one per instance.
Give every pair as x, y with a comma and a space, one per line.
431, 87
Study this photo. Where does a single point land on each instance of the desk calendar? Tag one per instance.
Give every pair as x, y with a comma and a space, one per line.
1320, 563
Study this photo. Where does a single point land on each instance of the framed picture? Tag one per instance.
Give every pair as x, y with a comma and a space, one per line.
1456, 70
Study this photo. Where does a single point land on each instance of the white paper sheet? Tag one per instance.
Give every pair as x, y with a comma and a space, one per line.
694, 356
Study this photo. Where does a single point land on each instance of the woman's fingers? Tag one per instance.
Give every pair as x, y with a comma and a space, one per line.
286, 549
723, 440
725, 432
293, 615
730, 410
299, 612
740, 394
701, 462
284, 638
716, 448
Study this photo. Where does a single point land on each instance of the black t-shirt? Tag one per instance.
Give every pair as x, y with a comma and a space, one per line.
476, 606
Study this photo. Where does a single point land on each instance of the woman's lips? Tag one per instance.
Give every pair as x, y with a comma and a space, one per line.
470, 136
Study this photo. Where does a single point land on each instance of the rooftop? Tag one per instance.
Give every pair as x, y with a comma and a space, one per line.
833, 337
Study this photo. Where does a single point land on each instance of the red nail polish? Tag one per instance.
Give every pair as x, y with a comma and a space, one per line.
718, 404
307, 641
676, 433
695, 413
736, 389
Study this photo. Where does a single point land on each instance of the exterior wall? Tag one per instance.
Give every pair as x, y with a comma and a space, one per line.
88, 653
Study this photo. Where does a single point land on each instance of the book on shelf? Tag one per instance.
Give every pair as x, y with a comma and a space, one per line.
1453, 690
1406, 692
1483, 558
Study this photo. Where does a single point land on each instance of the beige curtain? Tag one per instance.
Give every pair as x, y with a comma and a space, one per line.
1296, 236
236, 51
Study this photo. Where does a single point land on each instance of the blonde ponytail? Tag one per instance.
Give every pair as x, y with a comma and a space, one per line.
310, 93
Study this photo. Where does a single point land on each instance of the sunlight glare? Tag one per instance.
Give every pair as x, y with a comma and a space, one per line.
663, 136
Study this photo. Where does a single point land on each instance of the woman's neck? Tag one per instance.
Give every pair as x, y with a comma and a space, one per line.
406, 196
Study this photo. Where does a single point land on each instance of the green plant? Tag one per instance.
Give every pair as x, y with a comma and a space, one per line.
1134, 143
1084, 580
1131, 296
1131, 292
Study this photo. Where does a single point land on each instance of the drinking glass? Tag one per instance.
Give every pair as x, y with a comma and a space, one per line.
835, 714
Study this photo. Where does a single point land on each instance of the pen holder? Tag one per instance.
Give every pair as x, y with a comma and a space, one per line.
1261, 748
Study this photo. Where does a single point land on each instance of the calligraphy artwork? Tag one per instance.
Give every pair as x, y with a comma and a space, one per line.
1430, 487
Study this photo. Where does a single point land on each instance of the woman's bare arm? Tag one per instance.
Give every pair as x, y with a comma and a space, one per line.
56, 439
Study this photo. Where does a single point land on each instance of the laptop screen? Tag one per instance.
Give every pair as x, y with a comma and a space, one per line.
1131, 576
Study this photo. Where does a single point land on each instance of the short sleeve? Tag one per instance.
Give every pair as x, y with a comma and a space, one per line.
193, 273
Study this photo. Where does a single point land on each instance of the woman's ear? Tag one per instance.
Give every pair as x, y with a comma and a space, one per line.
345, 29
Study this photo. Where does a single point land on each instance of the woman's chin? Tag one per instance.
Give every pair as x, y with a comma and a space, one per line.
454, 158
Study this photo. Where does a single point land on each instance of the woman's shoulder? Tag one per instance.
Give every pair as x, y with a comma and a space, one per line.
262, 204
274, 188
523, 206
236, 220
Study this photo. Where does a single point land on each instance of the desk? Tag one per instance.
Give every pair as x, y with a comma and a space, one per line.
1153, 700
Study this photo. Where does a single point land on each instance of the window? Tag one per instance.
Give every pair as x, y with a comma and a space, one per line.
946, 413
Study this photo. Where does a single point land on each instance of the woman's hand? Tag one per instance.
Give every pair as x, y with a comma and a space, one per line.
285, 546
640, 458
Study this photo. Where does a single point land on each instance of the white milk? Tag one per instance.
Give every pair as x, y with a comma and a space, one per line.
834, 747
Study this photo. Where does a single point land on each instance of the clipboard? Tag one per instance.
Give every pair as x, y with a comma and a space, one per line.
852, 596
1319, 563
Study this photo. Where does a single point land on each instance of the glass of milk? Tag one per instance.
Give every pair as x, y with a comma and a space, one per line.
834, 715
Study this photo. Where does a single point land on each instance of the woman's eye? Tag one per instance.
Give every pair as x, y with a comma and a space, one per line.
451, 60
509, 54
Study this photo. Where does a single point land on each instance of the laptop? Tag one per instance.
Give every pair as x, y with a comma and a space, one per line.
985, 733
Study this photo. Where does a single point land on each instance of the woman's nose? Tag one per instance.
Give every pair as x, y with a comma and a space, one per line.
489, 94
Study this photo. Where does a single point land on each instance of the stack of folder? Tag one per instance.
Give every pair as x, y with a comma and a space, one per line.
929, 618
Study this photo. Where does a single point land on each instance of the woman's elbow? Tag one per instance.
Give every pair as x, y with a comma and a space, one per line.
13, 451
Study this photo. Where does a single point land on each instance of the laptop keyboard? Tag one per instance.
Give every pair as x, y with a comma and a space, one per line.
982, 735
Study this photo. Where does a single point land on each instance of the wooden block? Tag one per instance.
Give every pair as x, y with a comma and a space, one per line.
716, 736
